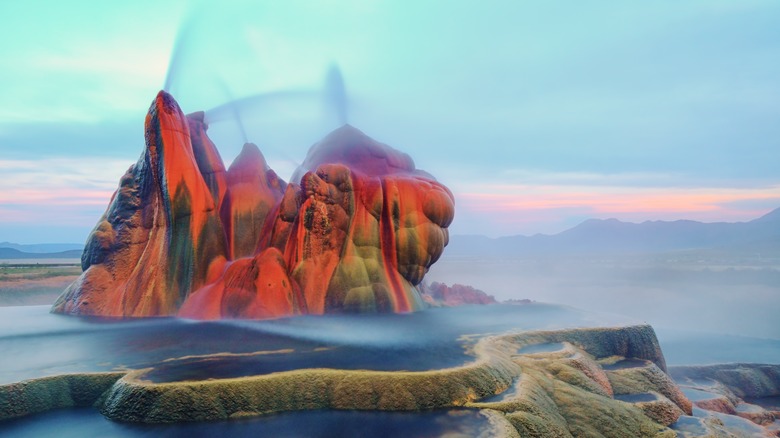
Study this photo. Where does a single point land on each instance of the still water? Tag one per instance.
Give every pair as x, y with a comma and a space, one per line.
78, 423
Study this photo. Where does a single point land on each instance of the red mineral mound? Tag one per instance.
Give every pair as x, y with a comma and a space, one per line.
439, 294
254, 190
181, 235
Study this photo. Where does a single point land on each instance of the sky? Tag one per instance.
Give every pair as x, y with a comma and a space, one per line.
536, 114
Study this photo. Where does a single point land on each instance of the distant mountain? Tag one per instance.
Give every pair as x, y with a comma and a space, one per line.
772, 216
43, 247
593, 236
611, 236
15, 254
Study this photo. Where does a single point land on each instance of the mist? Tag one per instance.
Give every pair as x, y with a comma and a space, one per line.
46, 343
688, 296
336, 95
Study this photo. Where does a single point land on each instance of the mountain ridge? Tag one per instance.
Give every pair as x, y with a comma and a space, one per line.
609, 235
14, 254
42, 247
617, 237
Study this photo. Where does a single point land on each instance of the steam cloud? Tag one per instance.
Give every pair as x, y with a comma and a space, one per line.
335, 93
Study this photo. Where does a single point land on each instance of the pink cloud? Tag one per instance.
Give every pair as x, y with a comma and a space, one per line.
56, 196
605, 200
506, 209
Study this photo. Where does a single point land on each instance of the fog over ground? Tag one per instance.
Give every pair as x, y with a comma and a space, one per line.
667, 293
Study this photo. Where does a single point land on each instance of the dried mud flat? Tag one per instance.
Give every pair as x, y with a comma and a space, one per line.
34, 284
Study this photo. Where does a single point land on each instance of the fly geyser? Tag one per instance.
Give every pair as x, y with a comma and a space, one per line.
355, 231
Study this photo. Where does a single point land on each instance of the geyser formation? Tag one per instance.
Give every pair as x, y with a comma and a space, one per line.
355, 231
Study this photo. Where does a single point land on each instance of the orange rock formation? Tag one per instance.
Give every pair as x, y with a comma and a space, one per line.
182, 236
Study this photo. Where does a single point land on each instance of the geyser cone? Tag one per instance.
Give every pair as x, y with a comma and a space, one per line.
349, 146
372, 225
207, 156
255, 190
356, 233
161, 234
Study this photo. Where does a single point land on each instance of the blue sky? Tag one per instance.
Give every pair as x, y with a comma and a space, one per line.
537, 115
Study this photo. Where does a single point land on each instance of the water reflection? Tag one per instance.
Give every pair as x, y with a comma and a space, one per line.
77, 423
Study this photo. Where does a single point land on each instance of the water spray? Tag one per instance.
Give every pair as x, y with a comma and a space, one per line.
182, 41
335, 93
236, 112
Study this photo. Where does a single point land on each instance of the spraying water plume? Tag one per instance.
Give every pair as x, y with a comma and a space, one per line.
183, 38
255, 101
236, 112
335, 93
235, 108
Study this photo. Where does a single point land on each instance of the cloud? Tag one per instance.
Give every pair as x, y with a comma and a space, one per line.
82, 62
548, 207
613, 200
87, 173
56, 192
536, 115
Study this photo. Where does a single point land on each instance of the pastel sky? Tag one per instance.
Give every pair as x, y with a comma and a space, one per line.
537, 114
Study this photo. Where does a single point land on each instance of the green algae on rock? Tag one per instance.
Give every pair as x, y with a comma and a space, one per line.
554, 383
55, 392
547, 404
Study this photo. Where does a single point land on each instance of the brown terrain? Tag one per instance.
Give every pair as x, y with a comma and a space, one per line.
34, 284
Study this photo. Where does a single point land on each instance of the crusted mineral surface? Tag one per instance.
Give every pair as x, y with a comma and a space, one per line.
560, 383
554, 391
